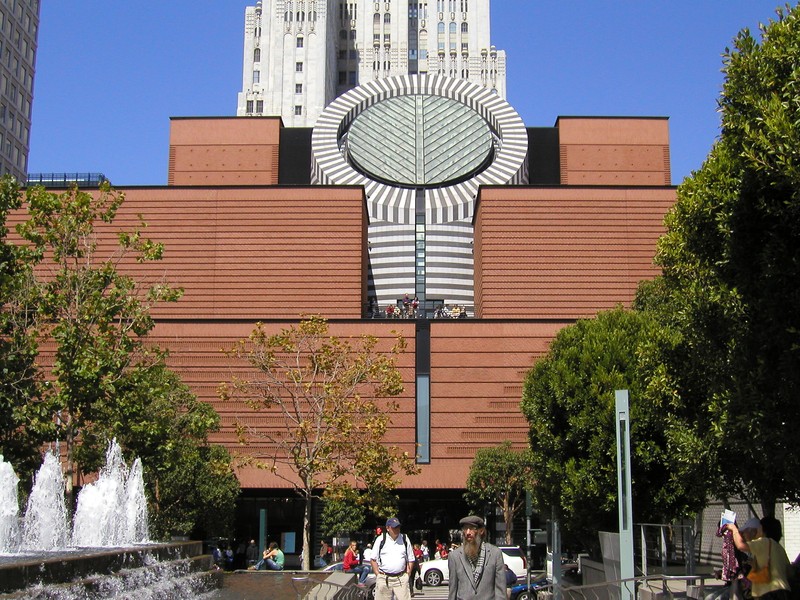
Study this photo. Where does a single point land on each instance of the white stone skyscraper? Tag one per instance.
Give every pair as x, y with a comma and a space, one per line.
299, 55
407, 99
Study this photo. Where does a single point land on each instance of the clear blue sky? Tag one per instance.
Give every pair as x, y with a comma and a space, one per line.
110, 74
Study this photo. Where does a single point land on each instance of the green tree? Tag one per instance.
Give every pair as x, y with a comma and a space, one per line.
346, 508
191, 485
343, 511
95, 316
25, 420
501, 476
332, 396
198, 496
731, 263
568, 399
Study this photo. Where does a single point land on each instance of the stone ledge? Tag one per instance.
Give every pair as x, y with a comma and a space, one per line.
47, 568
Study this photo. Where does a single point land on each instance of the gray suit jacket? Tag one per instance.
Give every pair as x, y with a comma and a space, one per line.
491, 585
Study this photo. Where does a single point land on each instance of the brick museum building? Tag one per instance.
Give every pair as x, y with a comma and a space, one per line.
374, 155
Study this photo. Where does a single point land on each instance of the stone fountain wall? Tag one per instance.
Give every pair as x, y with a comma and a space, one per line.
23, 571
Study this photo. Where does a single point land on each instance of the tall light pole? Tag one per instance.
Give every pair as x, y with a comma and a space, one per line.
624, 495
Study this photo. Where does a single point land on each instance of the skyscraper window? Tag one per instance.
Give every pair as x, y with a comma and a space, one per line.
18, 28
358, 48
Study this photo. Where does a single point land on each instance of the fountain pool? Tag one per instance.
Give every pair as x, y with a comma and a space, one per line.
105, 553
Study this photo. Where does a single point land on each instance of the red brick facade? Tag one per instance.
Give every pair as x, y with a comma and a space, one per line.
246, 249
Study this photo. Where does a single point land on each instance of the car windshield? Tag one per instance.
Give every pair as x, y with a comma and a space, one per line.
512, 551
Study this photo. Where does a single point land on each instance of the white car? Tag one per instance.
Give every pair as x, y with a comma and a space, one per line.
435, 572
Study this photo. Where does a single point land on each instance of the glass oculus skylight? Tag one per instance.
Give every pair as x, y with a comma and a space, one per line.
419, 140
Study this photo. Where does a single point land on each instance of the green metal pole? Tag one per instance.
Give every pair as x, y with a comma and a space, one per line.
262, 531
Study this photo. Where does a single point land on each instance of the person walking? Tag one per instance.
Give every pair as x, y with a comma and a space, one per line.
392, 558
415, 582
477, 570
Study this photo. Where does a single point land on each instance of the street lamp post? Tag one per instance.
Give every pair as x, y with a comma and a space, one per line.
624, 495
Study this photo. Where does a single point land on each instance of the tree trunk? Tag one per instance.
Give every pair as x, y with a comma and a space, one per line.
306, 566
768, 506
508, 518
68, 468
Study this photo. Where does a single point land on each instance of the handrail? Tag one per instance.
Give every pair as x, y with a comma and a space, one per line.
585, 591
308, 588
64, 179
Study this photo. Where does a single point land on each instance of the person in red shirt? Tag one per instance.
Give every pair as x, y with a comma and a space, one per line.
441, 549
418, 553
352, 564
415, 570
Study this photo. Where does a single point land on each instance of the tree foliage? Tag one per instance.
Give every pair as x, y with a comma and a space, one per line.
191, 485
343, 511
25, 420
106, 381
569, 401
731, 263
94, 315
501, 477
332, 398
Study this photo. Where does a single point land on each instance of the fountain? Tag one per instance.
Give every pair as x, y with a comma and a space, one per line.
136, 527
9, 508
109, 535
44, 526
112, 511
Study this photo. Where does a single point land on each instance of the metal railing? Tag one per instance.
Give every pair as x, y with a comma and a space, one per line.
334, 587
645, 587
661, 546
65, 179
430, 309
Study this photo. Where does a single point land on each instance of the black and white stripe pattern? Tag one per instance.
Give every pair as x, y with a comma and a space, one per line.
443, 204
448, 209
449, 263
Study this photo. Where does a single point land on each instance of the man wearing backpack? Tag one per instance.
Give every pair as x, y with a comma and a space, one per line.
392, 558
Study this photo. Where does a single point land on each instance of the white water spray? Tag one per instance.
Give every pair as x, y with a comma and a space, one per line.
136, 517
9, 508
112, 511
45, 524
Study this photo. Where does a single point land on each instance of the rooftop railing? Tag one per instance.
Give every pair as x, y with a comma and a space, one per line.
66, 179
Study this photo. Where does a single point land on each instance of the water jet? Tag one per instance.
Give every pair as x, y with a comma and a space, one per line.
107, 552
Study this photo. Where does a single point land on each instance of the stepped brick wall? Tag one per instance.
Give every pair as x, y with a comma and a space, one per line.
564, 252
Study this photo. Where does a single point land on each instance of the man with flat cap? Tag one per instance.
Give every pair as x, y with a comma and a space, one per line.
392, 557
477, 571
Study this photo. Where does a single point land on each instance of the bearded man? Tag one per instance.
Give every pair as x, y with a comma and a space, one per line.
476, 567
